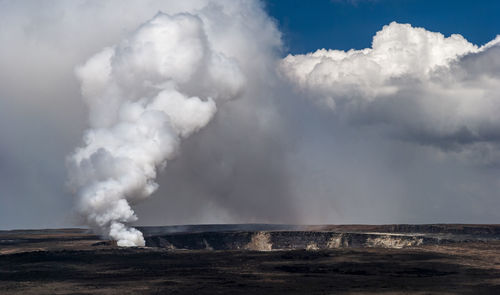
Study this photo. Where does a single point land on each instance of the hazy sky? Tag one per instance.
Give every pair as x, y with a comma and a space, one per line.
402, 129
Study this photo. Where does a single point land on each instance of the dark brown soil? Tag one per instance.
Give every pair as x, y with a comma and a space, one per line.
75, 262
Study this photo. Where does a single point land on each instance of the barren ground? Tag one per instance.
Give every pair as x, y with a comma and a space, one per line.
74, 262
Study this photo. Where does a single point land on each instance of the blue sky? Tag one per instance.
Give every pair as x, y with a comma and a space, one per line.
344, 24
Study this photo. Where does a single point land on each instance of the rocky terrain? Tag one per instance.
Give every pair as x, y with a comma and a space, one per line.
293, 237
252, 259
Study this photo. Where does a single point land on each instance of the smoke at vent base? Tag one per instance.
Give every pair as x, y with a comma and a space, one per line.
146, 94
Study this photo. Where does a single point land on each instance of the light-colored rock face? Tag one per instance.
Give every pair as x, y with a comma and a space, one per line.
388, 241
337, 242
261, 241
312, 247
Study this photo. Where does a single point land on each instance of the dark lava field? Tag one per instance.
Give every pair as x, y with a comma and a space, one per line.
256, 259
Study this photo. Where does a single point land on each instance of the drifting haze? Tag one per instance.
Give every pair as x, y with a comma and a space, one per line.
408, 134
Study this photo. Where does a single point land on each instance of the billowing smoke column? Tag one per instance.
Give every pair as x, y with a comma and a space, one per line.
145, 94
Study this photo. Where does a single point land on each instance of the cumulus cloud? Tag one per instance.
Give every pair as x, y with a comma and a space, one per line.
414, 126
425, 87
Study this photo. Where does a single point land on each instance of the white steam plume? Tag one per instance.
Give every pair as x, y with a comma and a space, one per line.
145, 94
